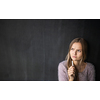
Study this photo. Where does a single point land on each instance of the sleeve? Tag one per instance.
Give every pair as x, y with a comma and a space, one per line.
91, 73
62, 73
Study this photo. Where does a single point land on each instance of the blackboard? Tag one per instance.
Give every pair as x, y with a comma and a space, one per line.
31, 49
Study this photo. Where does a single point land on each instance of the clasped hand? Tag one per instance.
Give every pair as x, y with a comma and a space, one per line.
71, 73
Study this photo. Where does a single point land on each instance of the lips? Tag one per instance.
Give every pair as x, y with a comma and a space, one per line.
74, 56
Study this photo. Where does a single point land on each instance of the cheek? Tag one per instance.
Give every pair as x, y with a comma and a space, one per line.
70, 53
80, 55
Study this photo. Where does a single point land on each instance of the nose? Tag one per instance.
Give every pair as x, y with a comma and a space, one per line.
75, 53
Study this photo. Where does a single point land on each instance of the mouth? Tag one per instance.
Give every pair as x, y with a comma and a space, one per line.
74, 56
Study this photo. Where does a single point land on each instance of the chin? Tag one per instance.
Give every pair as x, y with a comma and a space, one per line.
74, 59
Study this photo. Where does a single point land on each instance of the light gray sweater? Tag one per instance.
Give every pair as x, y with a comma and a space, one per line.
88, 73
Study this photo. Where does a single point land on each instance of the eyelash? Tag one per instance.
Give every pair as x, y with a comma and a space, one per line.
72, 49
77, 50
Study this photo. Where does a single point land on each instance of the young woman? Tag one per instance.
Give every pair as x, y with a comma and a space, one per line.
81, 70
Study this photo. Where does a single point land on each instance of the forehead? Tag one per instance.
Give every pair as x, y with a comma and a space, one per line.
77, 45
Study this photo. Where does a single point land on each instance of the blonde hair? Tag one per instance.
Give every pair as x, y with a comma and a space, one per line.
84, 51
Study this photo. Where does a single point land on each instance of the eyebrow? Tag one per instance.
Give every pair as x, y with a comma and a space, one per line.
77, 49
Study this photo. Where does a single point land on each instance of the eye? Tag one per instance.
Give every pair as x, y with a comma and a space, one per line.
79, 50
72, 49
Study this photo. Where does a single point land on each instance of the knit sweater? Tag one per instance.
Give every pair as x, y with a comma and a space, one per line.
88, 74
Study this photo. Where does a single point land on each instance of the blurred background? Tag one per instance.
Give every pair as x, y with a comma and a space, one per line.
31, 49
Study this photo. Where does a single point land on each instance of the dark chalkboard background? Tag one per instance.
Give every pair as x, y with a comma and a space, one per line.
31, 49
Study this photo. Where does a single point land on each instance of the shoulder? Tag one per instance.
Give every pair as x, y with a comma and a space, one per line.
63, 64
91, 71
90, 66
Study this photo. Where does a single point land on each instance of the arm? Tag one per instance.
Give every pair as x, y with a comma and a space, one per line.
91, 73
62, 73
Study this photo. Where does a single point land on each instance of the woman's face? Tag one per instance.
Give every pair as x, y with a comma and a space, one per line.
76, 51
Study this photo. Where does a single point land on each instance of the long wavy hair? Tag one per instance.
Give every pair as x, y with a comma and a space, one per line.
84, 51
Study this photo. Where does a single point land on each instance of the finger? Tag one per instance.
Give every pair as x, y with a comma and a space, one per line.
72, 68
71, 71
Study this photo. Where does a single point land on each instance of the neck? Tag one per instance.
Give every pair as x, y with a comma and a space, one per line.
76, 63
79, 67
